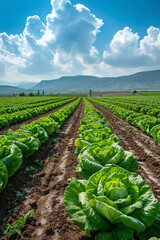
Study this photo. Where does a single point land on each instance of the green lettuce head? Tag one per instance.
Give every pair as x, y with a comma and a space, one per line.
98, 155
25, 140
113, 201
11, 157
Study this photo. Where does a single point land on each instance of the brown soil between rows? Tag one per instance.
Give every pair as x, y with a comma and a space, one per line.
46, 188
16, 126
141, 145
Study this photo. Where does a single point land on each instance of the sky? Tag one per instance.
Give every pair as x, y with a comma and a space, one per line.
47, 39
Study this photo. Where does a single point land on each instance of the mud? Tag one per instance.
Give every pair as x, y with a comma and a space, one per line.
141, 145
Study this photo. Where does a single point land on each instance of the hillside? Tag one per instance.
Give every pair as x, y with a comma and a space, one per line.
9, 90
142, 81
149, 80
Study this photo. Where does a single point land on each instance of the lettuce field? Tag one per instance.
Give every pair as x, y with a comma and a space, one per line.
80, 168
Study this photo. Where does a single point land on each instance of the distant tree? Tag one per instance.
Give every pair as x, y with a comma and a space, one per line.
22, 94
31, 94
90, 93
38, 93
134, 92
43, 92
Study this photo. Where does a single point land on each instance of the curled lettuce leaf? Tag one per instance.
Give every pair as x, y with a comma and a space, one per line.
48, 124
115, 196
96, 156
11, 157
36, 130
25, 140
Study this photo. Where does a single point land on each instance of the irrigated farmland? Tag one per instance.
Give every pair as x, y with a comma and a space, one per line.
80, 168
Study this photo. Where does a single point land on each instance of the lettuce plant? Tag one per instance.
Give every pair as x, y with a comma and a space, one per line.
113, 201
37, 130
96, 156
25, 140
10, 156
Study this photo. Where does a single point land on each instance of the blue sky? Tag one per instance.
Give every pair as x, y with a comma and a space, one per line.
35, 48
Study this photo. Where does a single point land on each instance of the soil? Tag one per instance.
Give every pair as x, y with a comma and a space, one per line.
16, 126
46, 188
141, 145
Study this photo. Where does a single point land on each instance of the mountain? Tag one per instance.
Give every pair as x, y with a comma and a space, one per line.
5, 83
10, 90
25, 85
149, 80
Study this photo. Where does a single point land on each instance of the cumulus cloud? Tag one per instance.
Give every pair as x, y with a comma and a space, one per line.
63, 43
126, 50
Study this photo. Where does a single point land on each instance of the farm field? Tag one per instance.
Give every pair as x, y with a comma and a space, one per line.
150, 93
39, 184
18, 109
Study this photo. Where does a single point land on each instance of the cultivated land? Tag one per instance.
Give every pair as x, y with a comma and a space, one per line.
42, 189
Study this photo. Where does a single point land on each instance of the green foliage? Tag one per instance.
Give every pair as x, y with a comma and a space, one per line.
134, 92
113, 201
150, 93
18, 113
25, 140
31, 94
30, 169
22, 94
16, 226
16, 145
142, 116
10, 156
38, 162
90, 93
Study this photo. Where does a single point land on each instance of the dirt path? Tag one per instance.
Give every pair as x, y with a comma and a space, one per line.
16, 126
46, 188
141, 145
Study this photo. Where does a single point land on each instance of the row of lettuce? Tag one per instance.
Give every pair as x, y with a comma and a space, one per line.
18, 145
25, 105
111, 200
16, 117
6, 102
146, 123
144, 107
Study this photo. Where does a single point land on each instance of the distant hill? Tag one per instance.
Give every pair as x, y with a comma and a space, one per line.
142, 81
9, 90
149, 80
24, 84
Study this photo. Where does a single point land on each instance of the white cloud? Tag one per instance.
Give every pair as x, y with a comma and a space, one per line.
57, 46
34, 27
127, 51
65, 45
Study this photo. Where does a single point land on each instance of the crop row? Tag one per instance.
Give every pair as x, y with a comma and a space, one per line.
23, 106
12, 101
112, 201
15, 146
148, 109
134, 99
146, 123
13, 118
